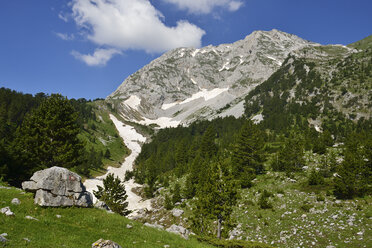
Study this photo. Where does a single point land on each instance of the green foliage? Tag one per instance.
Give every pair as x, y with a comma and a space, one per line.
176, 196
48, 137
113, 194
231, 243
247, 157
290, 157
263, 201
355, 172
168, 204
315, 178
216, 196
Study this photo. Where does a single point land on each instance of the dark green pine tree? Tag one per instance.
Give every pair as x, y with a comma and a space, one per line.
113, 194
290, 157
208, 147
48, 137
247, 157
355, 172
217, 195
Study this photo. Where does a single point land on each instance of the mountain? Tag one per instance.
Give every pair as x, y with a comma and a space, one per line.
324, 85
186, 84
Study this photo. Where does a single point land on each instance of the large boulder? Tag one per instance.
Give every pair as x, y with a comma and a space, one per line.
58, 187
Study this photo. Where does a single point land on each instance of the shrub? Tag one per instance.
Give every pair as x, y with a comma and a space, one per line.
113, 194
263, 201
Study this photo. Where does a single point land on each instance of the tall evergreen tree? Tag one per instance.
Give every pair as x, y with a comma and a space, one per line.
216, 196
355, 172
208, 147
290, 157
247, 157
48, 137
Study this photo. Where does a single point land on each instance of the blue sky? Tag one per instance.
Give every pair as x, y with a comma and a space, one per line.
86, 48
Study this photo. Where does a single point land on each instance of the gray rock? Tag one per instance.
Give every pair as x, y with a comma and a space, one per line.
3, 239
157, 226
179, 230
56, 187
16, 201
31, 218
102, 205
7, 211
101, 243
129, 226
177, 212
58, 216
27, 240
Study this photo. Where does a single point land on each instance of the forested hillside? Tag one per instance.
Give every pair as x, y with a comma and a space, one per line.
311, 123
41, 131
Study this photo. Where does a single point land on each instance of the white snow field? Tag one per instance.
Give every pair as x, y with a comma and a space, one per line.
132, 140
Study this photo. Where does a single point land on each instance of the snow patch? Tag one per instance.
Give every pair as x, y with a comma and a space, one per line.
162, 122
132, 140
195, 52
204, 93
133, 102
225, 67
275, 60
257, 118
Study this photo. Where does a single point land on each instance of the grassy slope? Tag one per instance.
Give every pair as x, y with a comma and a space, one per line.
101, 135
362, 44
78, 227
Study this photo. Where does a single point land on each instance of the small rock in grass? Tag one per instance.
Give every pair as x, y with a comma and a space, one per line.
58, 216
177, 212
16, 201
101, 243
7, 211
27, 239
166, 246
129, 226
3, 239
31, 218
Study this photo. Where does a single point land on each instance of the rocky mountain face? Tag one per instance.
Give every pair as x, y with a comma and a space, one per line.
186, 84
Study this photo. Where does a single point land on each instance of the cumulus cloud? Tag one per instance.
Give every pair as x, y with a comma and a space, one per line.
205, 6
131, 24
99, 58
65, 36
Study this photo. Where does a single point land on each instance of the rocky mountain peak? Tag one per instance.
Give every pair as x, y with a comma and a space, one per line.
185, 84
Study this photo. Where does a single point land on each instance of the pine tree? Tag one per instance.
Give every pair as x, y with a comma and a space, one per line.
355, 172
113, 194
247, 157
48, 137
290, 157
216, 196
208, 148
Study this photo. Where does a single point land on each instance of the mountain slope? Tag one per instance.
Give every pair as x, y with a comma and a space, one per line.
187, 84
325, 85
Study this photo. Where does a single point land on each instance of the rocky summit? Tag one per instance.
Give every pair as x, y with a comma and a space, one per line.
57, 187
186, 84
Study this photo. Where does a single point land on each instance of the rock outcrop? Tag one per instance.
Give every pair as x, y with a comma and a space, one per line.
101, 243
58, 187
179, 230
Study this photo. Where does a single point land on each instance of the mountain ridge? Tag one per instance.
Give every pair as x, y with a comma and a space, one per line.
187, 84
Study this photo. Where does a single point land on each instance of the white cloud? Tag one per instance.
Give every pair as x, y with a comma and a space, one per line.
63, 17
206, 6
65, 36
131, 24
99, 58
